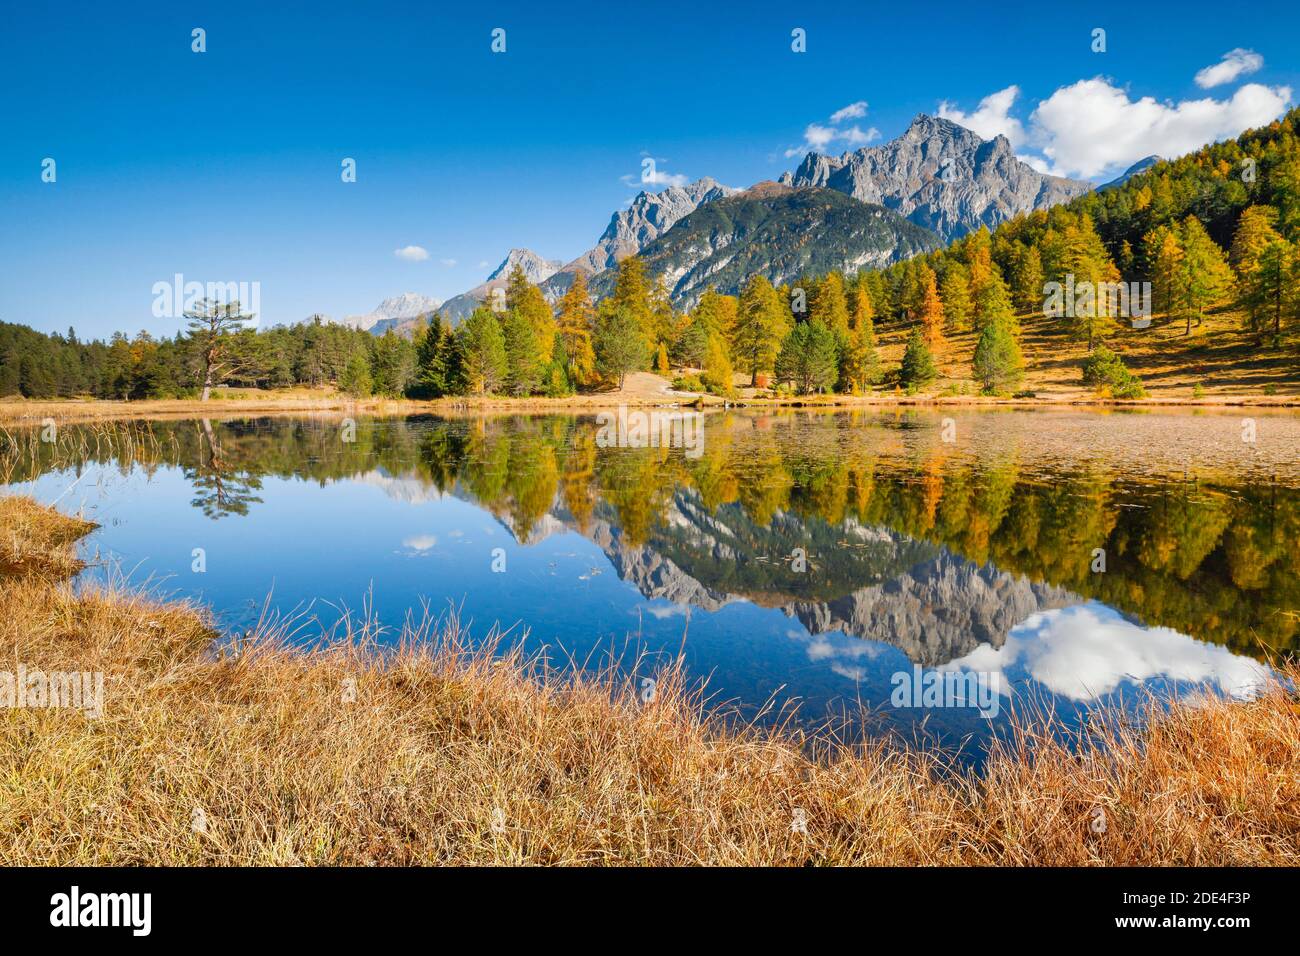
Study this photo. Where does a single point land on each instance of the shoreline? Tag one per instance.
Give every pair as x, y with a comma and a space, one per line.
34, 411
446, 752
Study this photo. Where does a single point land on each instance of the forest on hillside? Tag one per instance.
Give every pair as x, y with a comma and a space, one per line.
1219, 227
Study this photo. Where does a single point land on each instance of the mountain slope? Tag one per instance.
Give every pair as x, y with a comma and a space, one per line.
649, 217
630, 230
776, 231
536, 269
940, 176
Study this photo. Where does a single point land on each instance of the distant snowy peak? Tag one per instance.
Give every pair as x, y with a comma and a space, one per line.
408, 305
390, 313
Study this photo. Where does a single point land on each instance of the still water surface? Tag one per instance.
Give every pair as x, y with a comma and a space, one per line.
1073, 558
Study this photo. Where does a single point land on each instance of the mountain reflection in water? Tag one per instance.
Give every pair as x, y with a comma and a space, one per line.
798, 556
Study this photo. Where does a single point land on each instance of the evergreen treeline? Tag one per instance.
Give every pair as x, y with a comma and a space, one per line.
37, 365
1219, 226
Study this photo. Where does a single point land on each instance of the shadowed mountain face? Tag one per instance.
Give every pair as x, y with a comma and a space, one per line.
940, 176
777, 232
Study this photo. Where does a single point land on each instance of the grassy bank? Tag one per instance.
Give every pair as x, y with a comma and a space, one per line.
435, 753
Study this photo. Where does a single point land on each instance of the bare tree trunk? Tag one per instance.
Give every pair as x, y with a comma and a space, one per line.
207, 375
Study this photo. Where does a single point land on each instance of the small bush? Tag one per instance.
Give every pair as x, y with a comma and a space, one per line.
1105, 371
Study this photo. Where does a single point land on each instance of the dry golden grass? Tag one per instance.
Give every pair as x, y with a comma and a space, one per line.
432, 752
35, 539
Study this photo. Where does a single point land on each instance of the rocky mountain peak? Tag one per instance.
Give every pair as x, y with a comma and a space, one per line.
647, 217
536, 269
939, 175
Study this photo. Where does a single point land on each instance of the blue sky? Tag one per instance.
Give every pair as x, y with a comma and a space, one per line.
225, 165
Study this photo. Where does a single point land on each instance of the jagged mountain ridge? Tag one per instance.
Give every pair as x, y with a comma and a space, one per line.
941, 176
938, 176
776, 231
649, 216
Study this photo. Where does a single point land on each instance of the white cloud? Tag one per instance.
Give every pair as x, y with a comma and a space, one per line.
852, 111
421, 542
652, 175
412, 253
991, 118
1235, 63
449, 263
660, 178
817, 137
1087, 651
1092, 126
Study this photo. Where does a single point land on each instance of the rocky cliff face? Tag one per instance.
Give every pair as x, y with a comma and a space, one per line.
630, 230
776, 231
648, 217
940, 176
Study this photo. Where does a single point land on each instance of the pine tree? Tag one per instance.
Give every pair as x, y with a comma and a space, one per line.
483, 351
998, 363
356, 379
211, 325
808, 358
620, 344
955, 293
760, 327
917, 369
1204, 277
576, 323
523, 369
